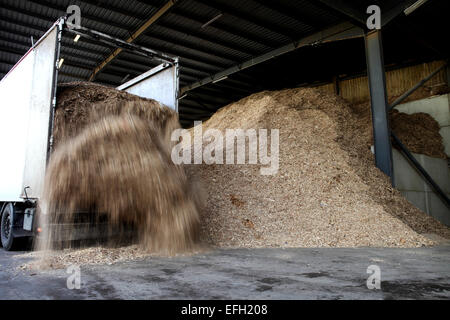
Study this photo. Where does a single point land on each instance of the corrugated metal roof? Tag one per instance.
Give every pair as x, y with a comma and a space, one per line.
245, 29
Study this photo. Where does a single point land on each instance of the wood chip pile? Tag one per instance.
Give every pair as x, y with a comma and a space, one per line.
82, 103
327, 193
112, 160
419, 132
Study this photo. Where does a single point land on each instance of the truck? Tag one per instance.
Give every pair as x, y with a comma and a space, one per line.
28, 94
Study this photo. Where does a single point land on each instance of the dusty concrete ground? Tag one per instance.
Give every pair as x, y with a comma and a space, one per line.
422, 273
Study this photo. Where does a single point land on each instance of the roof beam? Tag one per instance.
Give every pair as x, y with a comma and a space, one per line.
335, 33
136, 34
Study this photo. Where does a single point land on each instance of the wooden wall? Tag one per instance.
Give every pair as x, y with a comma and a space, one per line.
398, 81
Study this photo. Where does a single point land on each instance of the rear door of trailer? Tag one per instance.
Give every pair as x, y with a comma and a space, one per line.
26, 95
159, 83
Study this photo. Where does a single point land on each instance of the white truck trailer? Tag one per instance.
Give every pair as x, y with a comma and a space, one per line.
27, 108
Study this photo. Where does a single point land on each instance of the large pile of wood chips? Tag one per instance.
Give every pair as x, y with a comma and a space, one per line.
327, 193
419, 132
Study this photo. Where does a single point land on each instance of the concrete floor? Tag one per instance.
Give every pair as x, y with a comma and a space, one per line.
301, 273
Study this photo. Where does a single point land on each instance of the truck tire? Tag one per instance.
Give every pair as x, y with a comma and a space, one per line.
6, 227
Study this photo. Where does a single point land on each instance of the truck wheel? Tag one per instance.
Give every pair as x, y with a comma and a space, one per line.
6, 227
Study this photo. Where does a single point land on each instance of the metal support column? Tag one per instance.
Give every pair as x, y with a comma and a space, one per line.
379, 103
448, 73
337, 87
